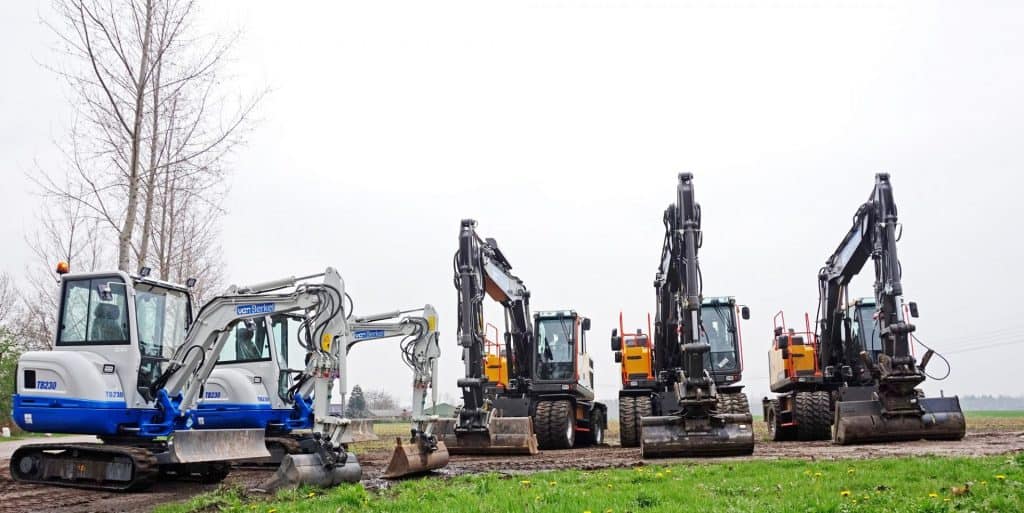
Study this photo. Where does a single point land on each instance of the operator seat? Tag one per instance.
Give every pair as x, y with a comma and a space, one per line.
106, 324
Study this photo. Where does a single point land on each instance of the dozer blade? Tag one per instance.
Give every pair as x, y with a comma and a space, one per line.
202, 445
414, 458
864, 422
309, 469
673, 436
504, 435
360, 430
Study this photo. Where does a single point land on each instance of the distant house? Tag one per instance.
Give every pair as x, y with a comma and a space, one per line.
441, 410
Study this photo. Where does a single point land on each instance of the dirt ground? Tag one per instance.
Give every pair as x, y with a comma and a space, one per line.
986, 439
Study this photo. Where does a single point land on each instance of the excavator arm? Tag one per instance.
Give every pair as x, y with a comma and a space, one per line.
877, 400
482, 269
691, 417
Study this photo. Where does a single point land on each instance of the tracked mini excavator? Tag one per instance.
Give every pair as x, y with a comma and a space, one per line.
252, 385
856, 379
530, 381
693, 405
130, 363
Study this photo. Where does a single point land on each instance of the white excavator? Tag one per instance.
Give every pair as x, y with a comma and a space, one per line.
259, 351
130, 362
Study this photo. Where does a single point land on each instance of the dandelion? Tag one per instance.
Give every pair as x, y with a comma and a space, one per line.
850, 471
844, 493
609, 487
668, 471
1000, 477
817, 474
855, 501
272, 510
552, 483
525, 482
659, 474
587, 511
311, 495
984, 482
933, 495
947, 499
609, 510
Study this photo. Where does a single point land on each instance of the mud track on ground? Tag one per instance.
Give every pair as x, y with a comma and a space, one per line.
17, 497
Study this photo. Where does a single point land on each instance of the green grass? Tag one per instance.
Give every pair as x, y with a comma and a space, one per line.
996, 414
906, 485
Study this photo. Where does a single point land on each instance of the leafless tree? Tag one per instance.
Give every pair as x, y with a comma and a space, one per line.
152, 129
380, 400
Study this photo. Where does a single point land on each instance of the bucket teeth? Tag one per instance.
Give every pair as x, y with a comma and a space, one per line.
858, 422
414, 458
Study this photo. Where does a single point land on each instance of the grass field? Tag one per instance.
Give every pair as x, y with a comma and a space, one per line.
908, 485
891, 485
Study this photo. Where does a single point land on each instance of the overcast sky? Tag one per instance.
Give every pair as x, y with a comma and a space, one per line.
562, 130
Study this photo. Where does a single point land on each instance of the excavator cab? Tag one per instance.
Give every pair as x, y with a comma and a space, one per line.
721, 331
635, 355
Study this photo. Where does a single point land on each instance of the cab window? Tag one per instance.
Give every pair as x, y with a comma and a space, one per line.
247, 342
94, 312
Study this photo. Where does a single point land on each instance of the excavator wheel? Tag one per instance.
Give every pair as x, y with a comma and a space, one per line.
776, 430
556, 424
813, 415
596, 434
629, 422
733, 403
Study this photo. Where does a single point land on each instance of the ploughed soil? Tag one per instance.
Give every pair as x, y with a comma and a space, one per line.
982, 440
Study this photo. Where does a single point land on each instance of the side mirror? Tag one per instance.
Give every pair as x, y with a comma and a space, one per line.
586, 324
104, 292
913, 309
745, 313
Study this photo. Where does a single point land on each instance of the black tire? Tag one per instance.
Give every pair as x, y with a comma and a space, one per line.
629, 423
813, 415
556, 425
596, 434
776, 430
733, 403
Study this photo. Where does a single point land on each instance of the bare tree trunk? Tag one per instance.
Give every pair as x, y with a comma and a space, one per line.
154, 151
124, 239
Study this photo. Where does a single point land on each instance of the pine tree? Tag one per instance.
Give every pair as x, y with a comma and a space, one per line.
356, 408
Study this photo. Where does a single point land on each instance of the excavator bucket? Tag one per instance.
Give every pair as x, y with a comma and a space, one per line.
940, 418
675, 436
415, 458
309, 469
359, 430
504, 435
